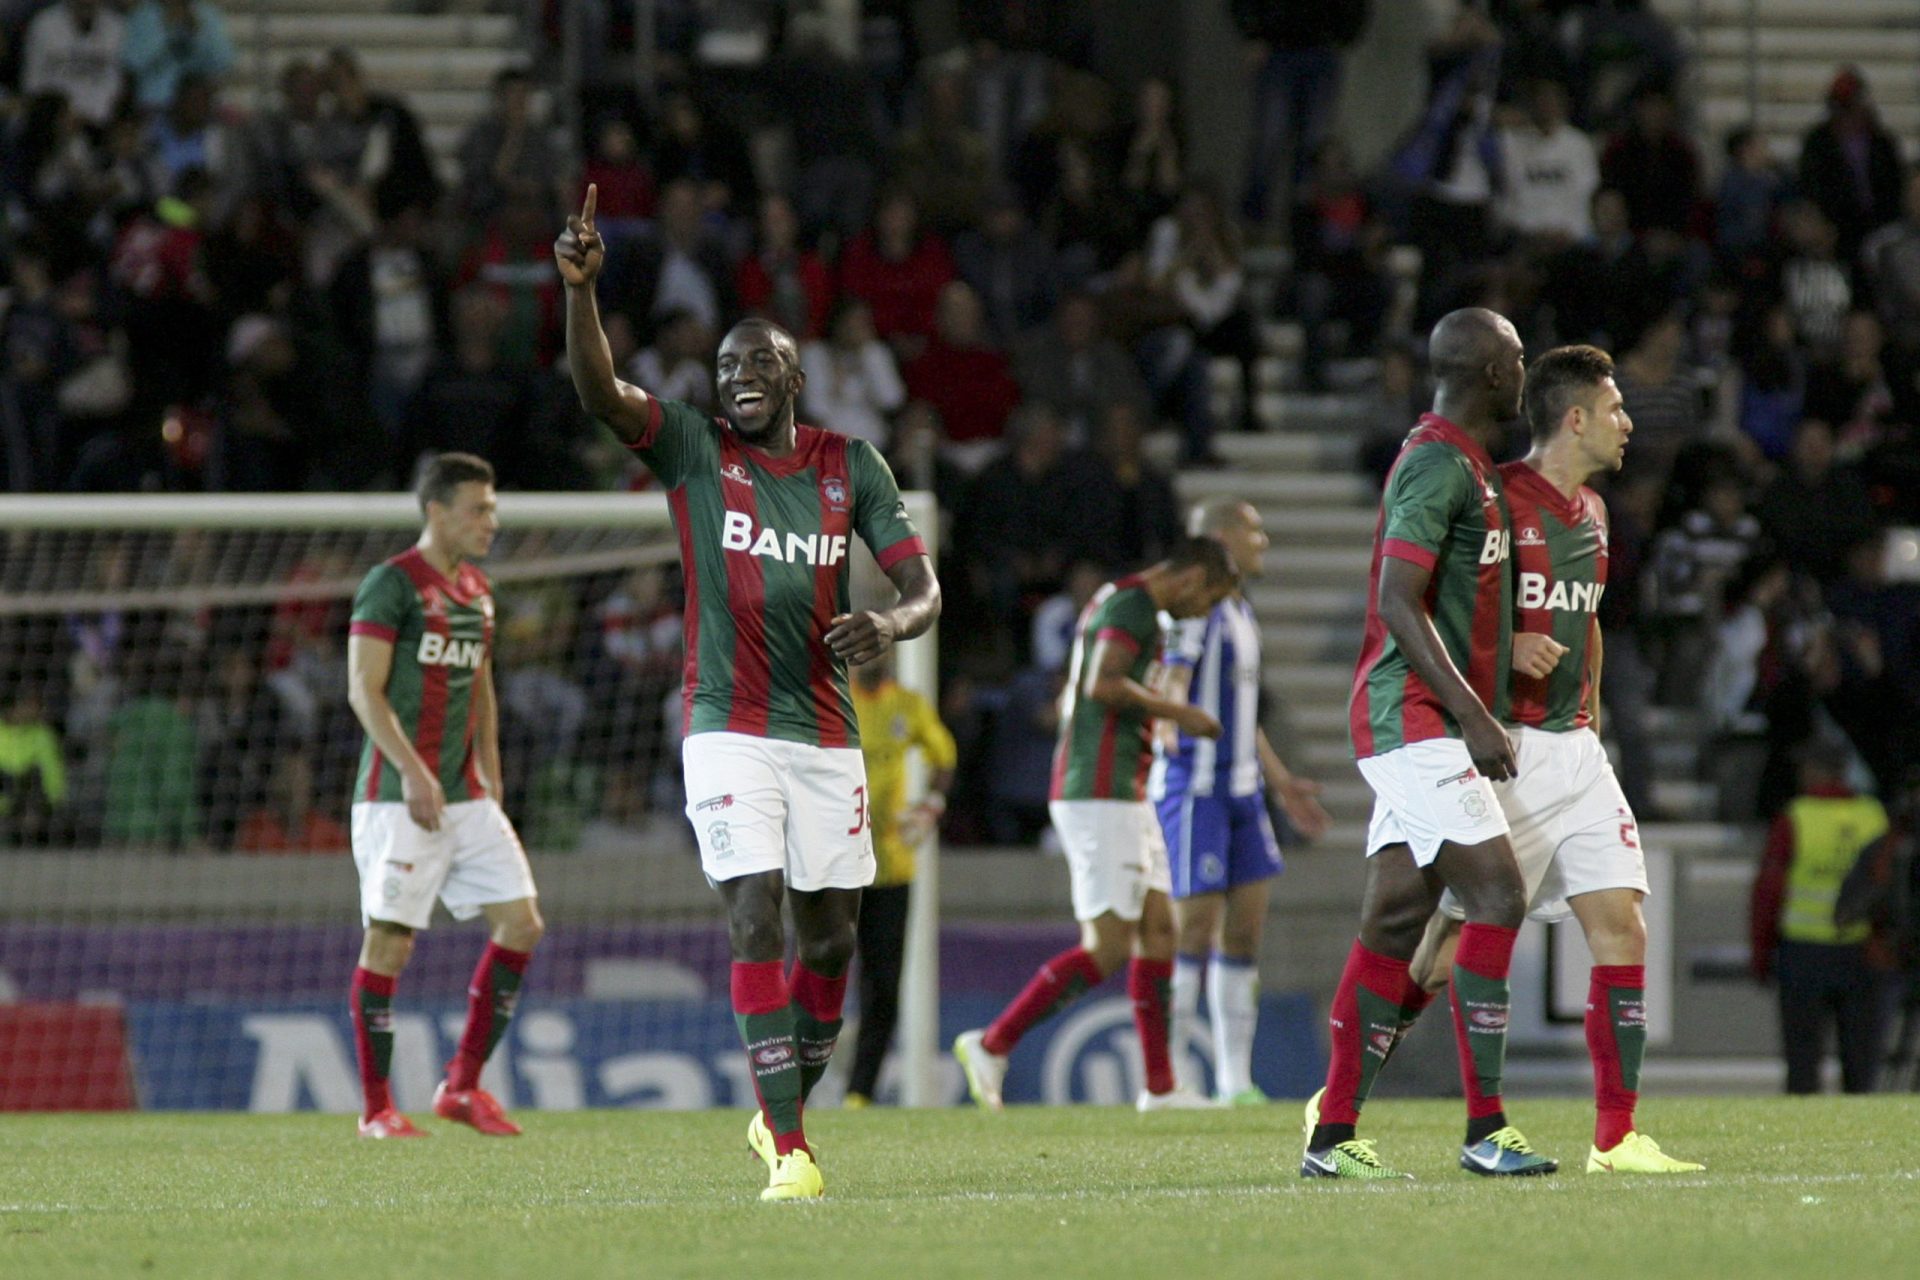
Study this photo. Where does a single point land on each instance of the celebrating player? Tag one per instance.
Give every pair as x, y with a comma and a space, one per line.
776, 790
1115, 855
1573, 834
1213, 810
1428, 692
427, 820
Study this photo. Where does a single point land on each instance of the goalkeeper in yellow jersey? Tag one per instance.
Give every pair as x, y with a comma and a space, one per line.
893, 721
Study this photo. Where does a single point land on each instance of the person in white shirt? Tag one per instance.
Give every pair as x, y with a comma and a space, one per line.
73, 49
1549, 172
852, 381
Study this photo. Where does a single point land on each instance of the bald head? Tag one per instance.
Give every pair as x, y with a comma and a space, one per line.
1214, 516
1477, 361
1466, 341
755, 327
1237, 526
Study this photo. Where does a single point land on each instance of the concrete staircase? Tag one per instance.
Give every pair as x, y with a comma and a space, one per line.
1793, 48
442, 65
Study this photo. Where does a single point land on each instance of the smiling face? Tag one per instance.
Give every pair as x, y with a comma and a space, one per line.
758, 376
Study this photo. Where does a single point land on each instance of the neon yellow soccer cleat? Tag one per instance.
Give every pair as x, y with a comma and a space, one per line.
795, 1177
1637, 1153
760, 1141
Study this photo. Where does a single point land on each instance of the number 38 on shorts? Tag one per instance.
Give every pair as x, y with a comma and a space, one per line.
764, 804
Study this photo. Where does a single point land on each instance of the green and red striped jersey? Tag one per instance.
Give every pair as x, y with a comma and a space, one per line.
1442, 510
1560, 557
763, 543
1104, 752
441, 631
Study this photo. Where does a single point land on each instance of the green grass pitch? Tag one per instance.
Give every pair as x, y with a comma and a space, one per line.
1794, 1187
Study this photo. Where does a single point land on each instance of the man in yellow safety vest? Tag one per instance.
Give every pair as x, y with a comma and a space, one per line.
1823, 968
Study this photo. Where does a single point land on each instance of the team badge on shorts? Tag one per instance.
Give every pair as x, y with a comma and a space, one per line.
720, 839
1475, 805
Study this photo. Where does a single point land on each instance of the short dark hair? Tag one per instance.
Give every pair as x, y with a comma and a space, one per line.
1560, 379
1207, 553
443, 473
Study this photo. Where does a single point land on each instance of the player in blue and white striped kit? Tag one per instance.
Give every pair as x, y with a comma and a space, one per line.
1211, 797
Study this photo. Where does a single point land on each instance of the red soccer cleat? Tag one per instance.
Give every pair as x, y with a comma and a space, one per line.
390, 1124
475, 1107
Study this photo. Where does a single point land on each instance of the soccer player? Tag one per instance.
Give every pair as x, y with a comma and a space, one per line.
427, 820
1428, 693
893, 721
776, 790
1211, 797
1573, 833
1115, 855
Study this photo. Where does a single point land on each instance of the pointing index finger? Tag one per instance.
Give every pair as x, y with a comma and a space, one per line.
593, 198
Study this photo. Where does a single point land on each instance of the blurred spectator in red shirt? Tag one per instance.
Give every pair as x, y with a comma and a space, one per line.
967, 380
899, 270
782, 280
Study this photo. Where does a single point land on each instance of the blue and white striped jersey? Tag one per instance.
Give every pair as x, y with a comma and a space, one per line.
1222, 650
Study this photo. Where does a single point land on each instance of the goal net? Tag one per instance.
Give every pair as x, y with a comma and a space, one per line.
178, 907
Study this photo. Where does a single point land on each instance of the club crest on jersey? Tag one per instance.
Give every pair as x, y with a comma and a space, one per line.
835, 491
738, 534
437, 650
738, 474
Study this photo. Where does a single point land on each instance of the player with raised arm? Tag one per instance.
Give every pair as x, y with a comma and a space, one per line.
1573, 833
1211, 796
765, 509
1428, 693
1116, 858
427, 820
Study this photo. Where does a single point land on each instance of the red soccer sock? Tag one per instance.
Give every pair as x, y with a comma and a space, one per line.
371, 1000
1617, 1042
1481, 998
1361, 1027
491, 995
1059, 982
1149, 983
817, 1001
763, 1011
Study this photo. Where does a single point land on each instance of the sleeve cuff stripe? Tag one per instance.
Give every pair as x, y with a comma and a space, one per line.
378, 630
1120, 636
1409, 551
905, 549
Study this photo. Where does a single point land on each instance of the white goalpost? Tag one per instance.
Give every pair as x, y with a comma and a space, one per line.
177, 911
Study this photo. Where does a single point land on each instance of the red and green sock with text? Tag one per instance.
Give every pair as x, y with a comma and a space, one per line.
371, 1000
817, 1001
1481, 998
491, 997
763, 1010
1617, 1042
1059, 982
1362, 1026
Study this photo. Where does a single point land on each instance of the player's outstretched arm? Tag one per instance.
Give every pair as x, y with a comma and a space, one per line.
580, 253
1403, 590
863, 636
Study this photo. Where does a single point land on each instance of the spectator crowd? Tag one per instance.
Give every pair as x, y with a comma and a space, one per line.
1003, 272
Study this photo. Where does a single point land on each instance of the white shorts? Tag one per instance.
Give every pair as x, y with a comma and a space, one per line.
1427, 794
474, 860
1572, 830
1115, 855
763, 804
